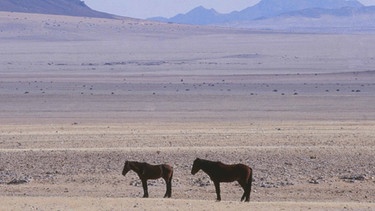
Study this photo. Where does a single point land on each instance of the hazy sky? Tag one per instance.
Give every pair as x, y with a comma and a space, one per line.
169, 8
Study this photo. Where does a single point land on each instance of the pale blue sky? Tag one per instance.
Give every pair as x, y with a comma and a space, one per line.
169, 8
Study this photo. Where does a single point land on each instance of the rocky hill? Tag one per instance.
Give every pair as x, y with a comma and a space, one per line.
55, 7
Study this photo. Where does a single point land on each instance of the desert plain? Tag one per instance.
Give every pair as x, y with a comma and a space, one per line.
79, 96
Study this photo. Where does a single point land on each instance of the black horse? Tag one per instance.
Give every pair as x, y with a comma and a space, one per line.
146, 171
220, 172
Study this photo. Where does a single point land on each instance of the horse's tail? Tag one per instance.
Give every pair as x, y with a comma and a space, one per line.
171, 172
249, 183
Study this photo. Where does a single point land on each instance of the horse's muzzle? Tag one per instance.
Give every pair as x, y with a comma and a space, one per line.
193, 171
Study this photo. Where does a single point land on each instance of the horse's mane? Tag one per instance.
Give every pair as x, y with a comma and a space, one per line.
210, 162
137, 162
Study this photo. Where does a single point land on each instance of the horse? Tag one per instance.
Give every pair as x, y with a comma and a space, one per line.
220, 172
147, 171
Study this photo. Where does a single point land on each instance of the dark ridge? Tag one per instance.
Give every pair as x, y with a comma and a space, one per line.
54, 7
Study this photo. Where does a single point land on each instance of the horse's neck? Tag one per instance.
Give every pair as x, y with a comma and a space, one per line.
207, 166
137, 167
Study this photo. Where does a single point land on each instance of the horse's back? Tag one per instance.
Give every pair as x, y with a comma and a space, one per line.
229, 173
164, 168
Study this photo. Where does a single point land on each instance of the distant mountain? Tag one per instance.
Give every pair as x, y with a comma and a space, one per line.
263, 10
197, 16
272, 8
342, 20
55, 7
340, 12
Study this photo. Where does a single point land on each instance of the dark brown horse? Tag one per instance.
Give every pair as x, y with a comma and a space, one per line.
220, 172
146, 171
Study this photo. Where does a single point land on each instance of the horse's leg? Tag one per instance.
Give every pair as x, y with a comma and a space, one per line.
145, 191
248, 196
243, 185
170, 187
168, 192
217, 188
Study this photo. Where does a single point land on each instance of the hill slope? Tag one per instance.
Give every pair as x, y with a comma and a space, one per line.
55, 7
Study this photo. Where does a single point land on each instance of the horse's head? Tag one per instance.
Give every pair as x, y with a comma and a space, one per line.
126, 168
196, 166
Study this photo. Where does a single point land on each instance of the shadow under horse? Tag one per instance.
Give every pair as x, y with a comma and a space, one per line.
147, 171
220, 172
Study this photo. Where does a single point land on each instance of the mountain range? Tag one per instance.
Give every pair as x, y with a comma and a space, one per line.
285, 14
54, 7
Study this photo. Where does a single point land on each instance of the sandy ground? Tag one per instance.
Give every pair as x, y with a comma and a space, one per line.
80, 96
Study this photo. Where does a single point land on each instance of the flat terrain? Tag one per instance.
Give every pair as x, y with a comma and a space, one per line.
79, 96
